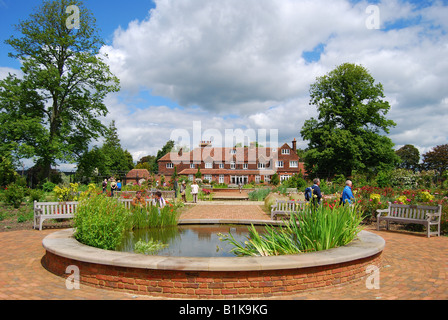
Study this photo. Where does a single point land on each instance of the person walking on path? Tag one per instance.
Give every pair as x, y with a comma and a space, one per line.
317, 195
347, 194
183, 191
194, 191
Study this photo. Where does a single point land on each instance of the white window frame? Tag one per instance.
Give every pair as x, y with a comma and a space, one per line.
170, 165
233, 165
257, 179
192, 166
285, 151
261, 165
209, 165
245, 166
293, 164
279, 164
221, 178
221, 166
190, 177
208, 177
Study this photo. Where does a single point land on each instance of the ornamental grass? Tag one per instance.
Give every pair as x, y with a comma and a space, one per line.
314, 229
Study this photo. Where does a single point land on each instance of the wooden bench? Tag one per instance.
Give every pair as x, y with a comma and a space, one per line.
285, 207
53, 210
406, 214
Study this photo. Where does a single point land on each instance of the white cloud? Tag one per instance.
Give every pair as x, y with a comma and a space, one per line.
244, 58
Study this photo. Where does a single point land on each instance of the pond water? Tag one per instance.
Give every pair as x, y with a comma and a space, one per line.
189, 240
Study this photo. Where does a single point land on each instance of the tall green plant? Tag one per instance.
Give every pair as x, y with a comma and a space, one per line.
313, 229
100, 222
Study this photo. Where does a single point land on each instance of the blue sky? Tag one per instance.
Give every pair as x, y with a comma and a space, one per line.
248, 65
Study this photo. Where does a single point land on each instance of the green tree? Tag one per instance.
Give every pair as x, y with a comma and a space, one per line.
8, 172
436, 159
351, 117
54, 108
165, 149
410, 157
108, 159
275, 180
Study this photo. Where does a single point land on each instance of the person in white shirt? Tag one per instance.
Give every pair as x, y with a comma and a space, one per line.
158, 200
195, 191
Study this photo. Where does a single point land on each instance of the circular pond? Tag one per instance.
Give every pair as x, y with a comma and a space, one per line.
198, 240
212, 277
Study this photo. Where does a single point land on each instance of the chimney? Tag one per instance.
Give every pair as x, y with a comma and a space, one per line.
294, 145
204, 144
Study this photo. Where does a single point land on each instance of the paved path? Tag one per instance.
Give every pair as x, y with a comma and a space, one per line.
414, 267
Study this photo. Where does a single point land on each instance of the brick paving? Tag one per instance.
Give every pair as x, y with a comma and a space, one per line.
414, 267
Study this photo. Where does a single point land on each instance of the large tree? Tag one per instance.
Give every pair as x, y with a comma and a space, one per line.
52, 113
409, 156
436, 159
349, 132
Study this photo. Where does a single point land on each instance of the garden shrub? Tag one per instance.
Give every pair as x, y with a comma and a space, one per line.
35, 195
48, 186
14, 195
100, 222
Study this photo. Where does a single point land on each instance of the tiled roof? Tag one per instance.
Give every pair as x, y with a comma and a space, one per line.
140, 173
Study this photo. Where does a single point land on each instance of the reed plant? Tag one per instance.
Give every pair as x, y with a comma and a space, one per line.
153, 217
259, 194
314, 229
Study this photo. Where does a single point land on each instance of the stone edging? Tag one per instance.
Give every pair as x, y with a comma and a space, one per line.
63, 244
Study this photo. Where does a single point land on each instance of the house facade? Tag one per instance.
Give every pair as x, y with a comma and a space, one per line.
234, 165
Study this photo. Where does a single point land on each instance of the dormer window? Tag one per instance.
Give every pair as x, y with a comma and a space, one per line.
285, 151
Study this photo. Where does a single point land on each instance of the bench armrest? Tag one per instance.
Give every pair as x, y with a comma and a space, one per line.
429, 215
380, 211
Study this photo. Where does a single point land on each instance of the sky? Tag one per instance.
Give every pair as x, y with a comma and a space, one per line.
215, 66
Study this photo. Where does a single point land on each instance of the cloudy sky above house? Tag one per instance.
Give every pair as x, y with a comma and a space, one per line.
232, 64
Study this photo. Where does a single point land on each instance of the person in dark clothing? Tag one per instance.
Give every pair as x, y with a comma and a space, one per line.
317, 195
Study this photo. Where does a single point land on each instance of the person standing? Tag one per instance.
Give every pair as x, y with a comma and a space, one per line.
104, 184
317, 195
347, 194
195, 191
113, 187
183, 191
118, 185
175, 187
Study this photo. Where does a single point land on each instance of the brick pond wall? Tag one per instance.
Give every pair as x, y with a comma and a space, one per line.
213, 285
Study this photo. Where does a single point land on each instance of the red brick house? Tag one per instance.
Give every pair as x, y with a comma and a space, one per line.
234, 165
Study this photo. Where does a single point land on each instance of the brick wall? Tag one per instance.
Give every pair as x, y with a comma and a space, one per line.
213, 285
